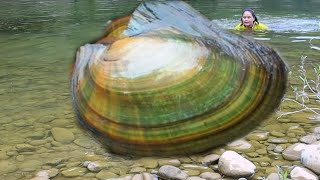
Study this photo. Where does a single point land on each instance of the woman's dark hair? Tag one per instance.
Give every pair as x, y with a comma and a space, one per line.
253, 14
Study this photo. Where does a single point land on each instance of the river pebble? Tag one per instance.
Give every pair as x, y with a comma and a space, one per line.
195, 178
172, 162
150, 163
293, 152
308, 139
210, 159
7, 167
30, 165
62, 135
105, 174
234, 165
273, 176
25, 148
310, 158
262, 136
240, 146
74, 172
172, 172
210, 175
142, 176
302, 173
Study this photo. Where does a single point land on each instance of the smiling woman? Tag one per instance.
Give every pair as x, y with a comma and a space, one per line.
249, 22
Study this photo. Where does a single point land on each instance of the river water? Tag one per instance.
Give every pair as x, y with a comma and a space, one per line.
38, 41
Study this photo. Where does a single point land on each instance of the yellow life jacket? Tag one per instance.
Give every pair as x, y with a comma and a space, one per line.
256, 27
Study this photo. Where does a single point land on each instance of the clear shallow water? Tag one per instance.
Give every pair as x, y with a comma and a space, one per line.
38, 41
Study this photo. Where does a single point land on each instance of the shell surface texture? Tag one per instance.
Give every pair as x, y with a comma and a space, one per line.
165, 80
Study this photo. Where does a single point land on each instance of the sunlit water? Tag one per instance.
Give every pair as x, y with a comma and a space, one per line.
38, 41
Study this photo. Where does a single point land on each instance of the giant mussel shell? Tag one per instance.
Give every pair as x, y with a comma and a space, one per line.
165, 80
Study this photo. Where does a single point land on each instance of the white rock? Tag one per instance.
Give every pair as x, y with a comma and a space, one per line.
310, 158
43, 174
210, 176
316, 130
143, 176
299, 173
40, 178
240, 145
293, 152
94, 167
195, 178
122, 178
234, 165
171, 172
308, 139
273, 176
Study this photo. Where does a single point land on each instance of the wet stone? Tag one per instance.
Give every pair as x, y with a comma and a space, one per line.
37, 135
258, 136
138, 170
277, 140
271, 147
30, 165
52, 172
142, 176
23, 123
310, 158
59, 123
303, 173
293, 152
105, 174
308, 139
316, 130
171, 172
195, 178
74, 172
20, 158
293, 140
54, 161
298, 131
46, 119
38, 142
62, 135
128, 177
192, 172
252, 155
264, 164
277, 134
240, 146
85, 143
262, 151
97, 166
278, 149
210, 159
25, 148
172, 162
291, 135
196, 167
7, 167
3, 156
256, 144
261, 159
210, 175
148, 163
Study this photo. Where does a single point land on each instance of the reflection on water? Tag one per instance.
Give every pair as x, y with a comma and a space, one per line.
38, 41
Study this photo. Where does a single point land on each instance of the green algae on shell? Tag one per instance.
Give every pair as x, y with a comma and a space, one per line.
164, 81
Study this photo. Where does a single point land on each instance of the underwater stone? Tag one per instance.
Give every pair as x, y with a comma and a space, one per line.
165, 80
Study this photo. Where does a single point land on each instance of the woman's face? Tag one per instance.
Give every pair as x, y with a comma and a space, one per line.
247, 19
